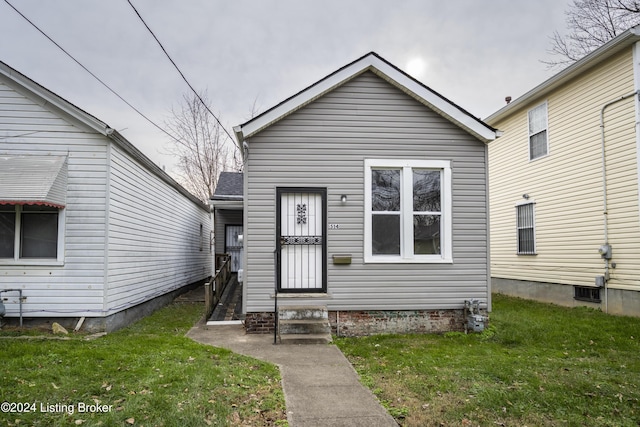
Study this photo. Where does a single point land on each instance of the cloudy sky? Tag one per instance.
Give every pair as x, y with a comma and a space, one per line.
259, 52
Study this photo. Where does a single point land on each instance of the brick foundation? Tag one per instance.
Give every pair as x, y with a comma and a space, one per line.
361, 323
259, 323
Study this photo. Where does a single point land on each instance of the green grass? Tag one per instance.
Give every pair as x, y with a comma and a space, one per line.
537, 365
149, 373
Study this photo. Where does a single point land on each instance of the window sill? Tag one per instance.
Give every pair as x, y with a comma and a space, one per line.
301, 295
31, 262
538, 158
533, 254
397, 260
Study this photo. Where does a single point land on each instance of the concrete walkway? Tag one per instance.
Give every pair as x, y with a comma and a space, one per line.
321, 387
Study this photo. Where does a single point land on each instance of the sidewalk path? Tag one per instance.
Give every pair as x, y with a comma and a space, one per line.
321, 387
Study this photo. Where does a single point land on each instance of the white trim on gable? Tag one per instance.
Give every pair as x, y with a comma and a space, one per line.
371, 62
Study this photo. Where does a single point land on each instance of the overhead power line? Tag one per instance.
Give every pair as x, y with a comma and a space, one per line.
89, 71
179, 71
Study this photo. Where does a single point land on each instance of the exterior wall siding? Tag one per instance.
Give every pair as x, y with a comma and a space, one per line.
567, 184
225, 217
324, 145
76, 288
156, 243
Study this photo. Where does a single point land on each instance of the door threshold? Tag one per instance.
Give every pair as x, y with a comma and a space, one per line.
302, 295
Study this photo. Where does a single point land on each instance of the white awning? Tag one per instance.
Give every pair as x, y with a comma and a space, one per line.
33, 180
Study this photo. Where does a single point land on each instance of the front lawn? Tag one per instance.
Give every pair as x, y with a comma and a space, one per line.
537, 365
148, 374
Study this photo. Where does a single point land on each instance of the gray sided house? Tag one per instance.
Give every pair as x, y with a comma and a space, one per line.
366, 194
227, 217
90, 228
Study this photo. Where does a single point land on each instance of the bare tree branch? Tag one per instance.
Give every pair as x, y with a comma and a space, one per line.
592, 23
202, 149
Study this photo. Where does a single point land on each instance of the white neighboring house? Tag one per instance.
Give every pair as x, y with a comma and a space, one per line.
89, 226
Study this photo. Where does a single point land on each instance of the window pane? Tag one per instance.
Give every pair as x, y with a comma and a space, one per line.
385, 234
385, 190
538, 119
538, 145
7, 231
39, 237
426, 234
526, 241
426, 190
525, 225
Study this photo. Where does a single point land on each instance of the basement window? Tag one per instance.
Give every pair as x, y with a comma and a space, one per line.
586, 293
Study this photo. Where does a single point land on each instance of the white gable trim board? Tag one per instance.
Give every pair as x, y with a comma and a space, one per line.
376, 64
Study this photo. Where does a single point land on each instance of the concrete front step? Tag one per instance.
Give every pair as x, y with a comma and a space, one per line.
304, 325
305, 339
302, 312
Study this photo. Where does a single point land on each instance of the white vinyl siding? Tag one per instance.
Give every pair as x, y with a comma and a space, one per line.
538, 134
401, 229
325, 144
73, 284
117, 214
155, 236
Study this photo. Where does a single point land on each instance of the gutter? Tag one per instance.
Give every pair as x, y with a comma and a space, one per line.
605, 250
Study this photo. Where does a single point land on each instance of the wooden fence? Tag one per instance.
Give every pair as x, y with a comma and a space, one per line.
213, 290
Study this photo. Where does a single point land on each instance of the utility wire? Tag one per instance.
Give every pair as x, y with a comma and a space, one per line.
180, 72
88, 71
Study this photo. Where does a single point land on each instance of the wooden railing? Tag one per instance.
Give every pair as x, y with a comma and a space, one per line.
213, 289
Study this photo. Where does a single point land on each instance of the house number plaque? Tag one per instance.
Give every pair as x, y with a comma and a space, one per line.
334, 226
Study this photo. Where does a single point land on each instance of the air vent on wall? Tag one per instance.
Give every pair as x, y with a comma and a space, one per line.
586, 293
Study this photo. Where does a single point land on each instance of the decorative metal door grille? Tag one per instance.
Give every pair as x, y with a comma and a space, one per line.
232, 247
300, 228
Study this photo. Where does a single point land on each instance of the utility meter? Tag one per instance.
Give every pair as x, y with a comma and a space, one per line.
605, 251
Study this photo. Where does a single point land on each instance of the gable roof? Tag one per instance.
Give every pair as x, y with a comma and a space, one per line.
230, 186
591, 60
50, 100
387, 71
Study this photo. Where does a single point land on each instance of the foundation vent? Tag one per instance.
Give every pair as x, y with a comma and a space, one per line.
586, 293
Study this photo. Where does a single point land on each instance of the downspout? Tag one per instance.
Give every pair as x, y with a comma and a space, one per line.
607, 257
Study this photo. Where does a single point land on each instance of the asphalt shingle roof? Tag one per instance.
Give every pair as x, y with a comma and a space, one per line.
229, 186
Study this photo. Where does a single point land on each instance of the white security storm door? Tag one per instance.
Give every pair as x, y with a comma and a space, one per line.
233, 247
300, 234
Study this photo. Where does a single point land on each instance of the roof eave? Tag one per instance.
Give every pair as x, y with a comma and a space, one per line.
54, 100
594, 58
227, 204
382, 68
51, 99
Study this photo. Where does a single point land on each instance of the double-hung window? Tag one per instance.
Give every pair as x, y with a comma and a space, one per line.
30, 234
408, 211
538, 135
525, 223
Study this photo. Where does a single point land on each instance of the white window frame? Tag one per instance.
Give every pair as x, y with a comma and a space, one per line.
406, 212
533, 217
546, 129
16, 260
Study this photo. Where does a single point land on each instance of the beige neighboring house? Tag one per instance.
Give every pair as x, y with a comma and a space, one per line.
564, 179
